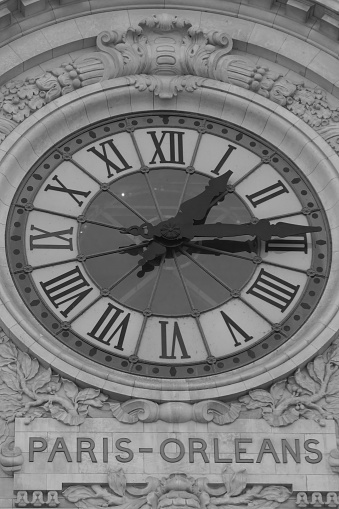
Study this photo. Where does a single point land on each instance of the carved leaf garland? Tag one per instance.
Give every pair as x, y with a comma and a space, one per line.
199, 54
179, 490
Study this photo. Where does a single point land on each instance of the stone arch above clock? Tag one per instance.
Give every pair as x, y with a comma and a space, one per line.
167, 54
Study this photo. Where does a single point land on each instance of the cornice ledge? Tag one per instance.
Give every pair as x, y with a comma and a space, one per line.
166, 55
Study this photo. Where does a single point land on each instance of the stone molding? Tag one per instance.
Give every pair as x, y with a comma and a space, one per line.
189, 57
317, 499
36, 498
323, 16
80, 108
179, 489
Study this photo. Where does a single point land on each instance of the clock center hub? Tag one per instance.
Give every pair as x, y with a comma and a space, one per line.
170, 230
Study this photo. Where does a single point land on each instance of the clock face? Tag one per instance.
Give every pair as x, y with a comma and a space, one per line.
168, 245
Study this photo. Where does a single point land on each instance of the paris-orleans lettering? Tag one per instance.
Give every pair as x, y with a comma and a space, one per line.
191, 449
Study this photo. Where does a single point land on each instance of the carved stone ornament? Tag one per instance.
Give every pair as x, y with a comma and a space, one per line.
166, 54
178, 491
27, 389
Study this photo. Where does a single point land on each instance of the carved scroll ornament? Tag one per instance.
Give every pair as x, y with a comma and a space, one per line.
178, 491
166, 54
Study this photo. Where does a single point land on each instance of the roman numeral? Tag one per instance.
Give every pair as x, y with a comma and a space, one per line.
267, 194
174, 149
110, 164
66, 243
63, 189
103, 330
176, 339
294, 243
68, 287
234, 327
224, 159
273, 290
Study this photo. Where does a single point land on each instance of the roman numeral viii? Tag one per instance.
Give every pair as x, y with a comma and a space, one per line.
267, 193
70, 287
111, 323
177, 339
37, 241
169, 148
274, 290
108, 148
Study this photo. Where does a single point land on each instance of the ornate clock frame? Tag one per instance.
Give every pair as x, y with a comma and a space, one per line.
201, 79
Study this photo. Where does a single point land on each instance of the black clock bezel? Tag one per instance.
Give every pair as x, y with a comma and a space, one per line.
303, 309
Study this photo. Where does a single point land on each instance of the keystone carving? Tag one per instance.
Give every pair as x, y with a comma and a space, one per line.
178, 491
165, 55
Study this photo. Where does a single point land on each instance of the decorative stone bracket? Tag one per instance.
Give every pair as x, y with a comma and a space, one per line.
178, 491
166, 55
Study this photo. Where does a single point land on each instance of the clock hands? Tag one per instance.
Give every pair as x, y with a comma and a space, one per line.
196, 209
170, 233
189, 222
263, 229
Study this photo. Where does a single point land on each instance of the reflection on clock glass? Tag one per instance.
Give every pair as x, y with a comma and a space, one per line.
168, 245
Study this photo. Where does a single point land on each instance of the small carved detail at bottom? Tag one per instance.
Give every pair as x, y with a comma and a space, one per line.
37, 499
179, 491
317, 499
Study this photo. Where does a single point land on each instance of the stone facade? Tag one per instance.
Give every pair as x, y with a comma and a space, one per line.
73, 435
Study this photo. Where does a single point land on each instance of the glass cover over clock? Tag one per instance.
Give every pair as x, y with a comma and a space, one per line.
168, 245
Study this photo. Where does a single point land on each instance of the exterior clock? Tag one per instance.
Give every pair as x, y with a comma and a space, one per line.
168, 244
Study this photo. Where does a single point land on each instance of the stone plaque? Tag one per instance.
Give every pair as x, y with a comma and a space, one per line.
57, 455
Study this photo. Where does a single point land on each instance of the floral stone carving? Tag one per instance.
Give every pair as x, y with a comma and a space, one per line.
188, 56
311, 392
178, 491
27, 389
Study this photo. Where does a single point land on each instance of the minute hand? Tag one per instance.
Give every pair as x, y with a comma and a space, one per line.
263, 229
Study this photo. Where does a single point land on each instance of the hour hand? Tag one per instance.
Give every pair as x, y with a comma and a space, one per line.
196, 209
263, 229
